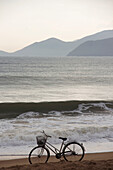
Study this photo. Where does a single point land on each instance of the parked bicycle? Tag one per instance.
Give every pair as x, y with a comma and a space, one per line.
71, 151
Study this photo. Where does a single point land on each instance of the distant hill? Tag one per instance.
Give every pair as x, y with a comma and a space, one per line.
50, 47
3, 53
94, 48
98, 36
55, 47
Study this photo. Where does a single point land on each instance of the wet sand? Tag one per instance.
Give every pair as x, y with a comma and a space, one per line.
90, 161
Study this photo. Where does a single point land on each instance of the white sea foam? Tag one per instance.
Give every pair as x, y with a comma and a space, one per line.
28, 115
84, 107
83, 128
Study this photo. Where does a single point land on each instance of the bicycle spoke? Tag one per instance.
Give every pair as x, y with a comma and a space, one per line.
38, 155
73, 152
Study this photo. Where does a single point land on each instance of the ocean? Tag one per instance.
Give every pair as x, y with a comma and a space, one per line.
65, 96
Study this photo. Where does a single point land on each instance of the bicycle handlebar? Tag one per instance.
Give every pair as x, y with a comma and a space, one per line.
46, 134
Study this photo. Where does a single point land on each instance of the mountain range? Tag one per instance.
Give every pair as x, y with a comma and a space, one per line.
94, 48
99, 44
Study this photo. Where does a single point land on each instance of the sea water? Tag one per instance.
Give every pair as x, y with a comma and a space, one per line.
65, 96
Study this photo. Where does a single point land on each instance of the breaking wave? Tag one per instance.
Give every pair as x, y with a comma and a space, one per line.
67, 108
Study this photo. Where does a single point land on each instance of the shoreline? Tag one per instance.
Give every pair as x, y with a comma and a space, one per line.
90, 159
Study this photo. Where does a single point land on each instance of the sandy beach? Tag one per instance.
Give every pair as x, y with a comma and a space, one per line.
90, 161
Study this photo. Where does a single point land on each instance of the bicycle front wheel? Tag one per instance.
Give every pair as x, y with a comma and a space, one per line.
39, 155
73, 151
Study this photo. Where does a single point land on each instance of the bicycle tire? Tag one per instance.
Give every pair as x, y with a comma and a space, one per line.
39, 154
73, 151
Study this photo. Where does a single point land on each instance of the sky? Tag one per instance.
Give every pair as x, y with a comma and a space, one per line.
23, 22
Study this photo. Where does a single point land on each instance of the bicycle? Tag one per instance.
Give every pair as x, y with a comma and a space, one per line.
72, 151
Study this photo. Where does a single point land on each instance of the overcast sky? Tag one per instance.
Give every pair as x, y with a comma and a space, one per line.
23, 22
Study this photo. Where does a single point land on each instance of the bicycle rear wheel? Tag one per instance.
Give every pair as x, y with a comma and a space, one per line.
73, 151
39, 154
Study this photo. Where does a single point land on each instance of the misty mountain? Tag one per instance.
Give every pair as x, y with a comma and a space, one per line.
98, 36
55, 47
3, 53
50, 47
94, 48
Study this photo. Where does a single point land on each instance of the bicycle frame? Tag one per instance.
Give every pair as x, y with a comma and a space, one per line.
55, 151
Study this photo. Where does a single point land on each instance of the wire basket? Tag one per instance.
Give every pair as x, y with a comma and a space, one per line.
41, 140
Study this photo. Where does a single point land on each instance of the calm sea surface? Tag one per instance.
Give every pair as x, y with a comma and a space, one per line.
25, 79
56, 82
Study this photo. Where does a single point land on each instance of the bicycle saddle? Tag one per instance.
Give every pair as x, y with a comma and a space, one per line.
64, 139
